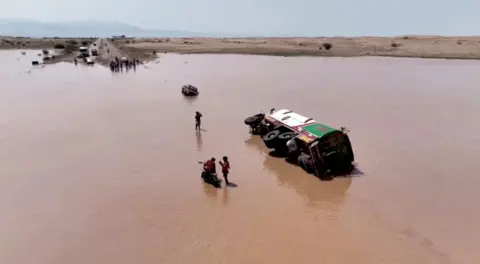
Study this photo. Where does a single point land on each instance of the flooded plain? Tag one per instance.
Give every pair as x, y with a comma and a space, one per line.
102, 168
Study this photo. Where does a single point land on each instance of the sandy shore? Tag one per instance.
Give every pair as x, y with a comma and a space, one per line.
404, 46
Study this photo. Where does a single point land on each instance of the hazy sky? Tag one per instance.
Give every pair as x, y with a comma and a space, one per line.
266, 17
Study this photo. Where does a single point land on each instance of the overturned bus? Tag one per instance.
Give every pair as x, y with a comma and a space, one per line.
317, 148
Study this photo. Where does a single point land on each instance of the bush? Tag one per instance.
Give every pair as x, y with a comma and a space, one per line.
394, 45
84, 43
327, 46
72, 42
59, 46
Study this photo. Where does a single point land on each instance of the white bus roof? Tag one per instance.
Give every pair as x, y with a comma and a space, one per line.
83, 48
291, 118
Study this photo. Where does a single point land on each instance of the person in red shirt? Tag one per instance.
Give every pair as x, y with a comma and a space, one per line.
209, 166
225, 168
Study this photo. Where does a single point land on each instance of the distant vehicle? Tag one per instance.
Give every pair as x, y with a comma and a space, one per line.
89, 61
83, 50
83, 55
189, 90
94, 52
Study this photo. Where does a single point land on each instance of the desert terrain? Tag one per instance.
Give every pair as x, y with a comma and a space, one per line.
403, 46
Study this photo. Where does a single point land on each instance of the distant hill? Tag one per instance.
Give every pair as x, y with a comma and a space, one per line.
36, 29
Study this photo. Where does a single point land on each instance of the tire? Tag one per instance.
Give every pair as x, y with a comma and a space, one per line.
302, 160
282, 139
271, 139
253, 120
322, 171
287, 136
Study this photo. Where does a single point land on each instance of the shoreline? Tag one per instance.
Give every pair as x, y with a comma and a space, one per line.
145, 49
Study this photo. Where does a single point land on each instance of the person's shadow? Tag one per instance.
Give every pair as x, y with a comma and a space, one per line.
231, 185
198, 135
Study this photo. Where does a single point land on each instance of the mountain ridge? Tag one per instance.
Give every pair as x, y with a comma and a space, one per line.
71, 29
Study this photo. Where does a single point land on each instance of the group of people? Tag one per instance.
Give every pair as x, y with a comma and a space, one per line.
210, 170
209, 166
118, 65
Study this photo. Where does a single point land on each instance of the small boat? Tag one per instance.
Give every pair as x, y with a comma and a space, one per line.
189, 90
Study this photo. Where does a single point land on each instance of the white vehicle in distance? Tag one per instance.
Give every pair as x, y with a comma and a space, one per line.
83, 50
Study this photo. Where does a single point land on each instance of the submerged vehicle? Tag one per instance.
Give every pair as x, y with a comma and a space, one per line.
189, 90
89, 61
211, 178
316, 147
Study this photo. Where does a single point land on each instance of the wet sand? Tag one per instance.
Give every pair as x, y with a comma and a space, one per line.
102, 168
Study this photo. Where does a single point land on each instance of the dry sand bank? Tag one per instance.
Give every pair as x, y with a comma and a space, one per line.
405, 46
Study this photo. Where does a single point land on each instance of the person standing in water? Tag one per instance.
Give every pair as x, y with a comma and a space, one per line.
198, 120
225, 168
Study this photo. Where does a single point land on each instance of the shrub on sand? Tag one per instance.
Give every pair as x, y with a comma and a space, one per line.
59, 46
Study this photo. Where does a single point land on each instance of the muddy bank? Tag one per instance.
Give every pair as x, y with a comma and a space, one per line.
67, 48
461, 47
405, 46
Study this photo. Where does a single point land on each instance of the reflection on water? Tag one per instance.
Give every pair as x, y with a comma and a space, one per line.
198, 135
226, 196
306, 185
100, 168
210, 191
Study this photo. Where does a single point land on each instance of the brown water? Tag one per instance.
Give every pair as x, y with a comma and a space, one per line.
102, 168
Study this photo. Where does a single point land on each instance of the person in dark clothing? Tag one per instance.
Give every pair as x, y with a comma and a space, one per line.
225, 168
198, 120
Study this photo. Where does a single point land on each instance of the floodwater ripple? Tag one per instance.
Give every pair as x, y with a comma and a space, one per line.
103, 168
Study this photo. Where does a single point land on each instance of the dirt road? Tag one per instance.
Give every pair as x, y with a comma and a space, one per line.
107, 51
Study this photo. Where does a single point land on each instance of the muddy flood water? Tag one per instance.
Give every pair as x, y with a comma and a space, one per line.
101, 168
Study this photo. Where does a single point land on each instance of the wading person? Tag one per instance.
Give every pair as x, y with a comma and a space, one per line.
209, 169
225, 169
198, 120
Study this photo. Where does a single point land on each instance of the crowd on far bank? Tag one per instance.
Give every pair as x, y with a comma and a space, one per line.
117, 64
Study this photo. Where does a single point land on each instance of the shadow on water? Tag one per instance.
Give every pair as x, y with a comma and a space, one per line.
232, 185
307, 185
